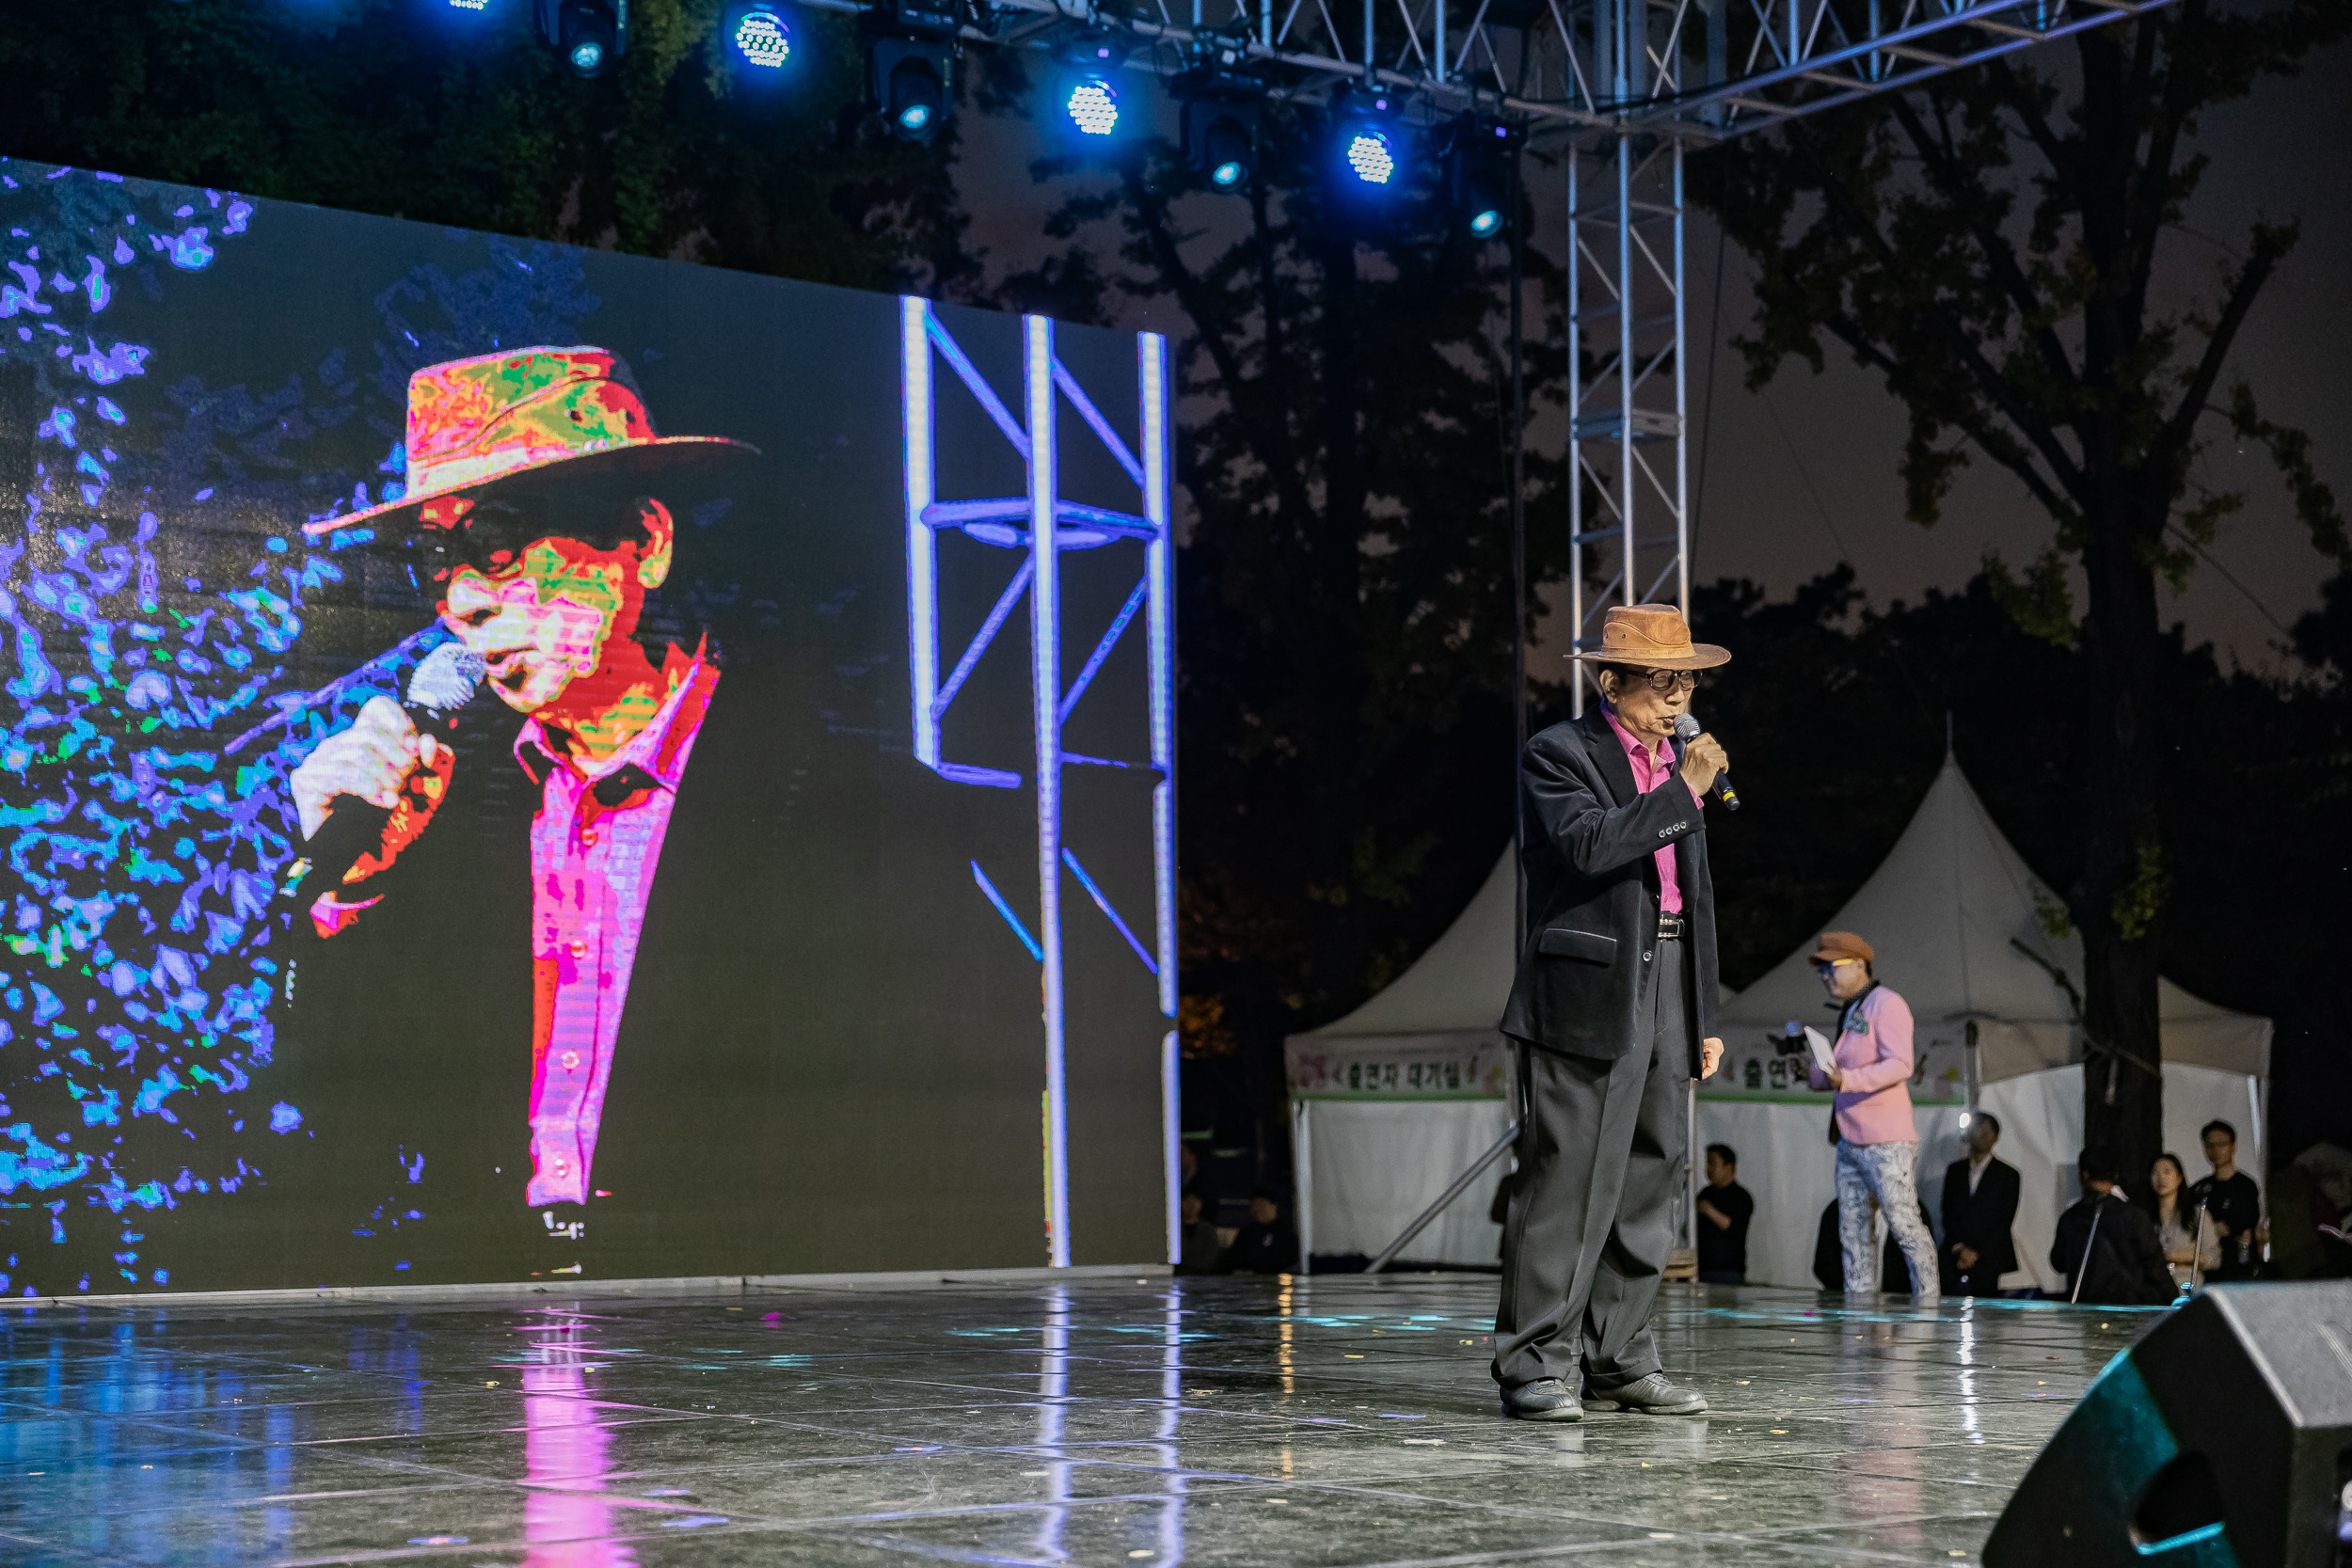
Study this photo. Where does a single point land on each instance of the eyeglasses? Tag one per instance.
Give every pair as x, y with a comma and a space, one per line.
1664, 682
1830, 966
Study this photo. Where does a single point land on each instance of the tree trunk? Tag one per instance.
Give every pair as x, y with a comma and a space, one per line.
1334, 642
2122, 871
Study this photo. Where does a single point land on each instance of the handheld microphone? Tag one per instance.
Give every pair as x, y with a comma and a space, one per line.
1687, 729
444, 681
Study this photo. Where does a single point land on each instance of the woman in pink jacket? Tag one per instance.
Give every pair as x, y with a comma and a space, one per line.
1878, 1145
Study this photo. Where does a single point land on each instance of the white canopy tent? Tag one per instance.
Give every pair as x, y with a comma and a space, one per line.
1963, 933
1393, 1101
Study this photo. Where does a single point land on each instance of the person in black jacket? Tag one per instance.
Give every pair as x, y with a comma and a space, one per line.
1266, 1245
1613, 1009
2106, 1247
1979, 1208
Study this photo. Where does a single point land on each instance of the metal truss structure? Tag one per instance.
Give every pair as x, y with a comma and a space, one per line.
1037, 529
1630, 86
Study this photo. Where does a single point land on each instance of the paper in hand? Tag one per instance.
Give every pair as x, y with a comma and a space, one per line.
1821, 1057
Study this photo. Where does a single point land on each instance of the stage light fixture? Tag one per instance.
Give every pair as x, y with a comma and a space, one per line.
909, 64
1088, 89
1479, 157
1220, 114
1368, 145
761, 36
589, 35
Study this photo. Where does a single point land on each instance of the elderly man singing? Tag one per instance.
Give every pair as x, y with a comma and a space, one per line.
1614, 1010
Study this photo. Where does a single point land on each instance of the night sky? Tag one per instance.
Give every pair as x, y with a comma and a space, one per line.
1803, 474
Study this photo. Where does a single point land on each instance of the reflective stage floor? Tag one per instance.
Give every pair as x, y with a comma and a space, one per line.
1339, 1420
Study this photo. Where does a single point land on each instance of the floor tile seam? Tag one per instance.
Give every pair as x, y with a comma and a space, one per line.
1908, 1519
231, 1440
200, 1504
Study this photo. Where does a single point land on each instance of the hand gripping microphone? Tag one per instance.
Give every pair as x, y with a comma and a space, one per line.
445, 681
1687, 729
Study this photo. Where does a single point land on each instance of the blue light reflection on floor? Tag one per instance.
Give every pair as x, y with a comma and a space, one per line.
1343, 1420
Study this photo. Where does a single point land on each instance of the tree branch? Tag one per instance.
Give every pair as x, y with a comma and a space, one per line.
1995, 389
2271, 242
1999, 255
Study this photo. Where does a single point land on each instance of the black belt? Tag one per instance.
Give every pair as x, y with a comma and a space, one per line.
1670, 928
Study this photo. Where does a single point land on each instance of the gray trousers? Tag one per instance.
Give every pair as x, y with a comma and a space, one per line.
1601, 1148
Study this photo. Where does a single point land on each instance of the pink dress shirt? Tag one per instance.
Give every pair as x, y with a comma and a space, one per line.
1874, 1053
1650, 769
594, 846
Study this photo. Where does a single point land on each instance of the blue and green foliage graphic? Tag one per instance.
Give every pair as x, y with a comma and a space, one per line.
157, 588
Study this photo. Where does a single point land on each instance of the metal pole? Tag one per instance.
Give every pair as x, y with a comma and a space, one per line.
1461, 1184
1682, 408
1625, 359
1519, 560
1576, 425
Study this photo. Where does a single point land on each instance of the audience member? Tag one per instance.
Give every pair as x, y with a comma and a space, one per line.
1829, 1253
1266, 1245
1725, 1208
1202, 1253
2106, 1247
1979, 1208
1192, 1179
2183, 1230
2233, 1203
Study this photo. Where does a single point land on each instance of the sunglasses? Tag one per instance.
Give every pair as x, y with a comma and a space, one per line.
491, 537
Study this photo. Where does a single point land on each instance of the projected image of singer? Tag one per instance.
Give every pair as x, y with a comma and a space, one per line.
482, 973
1614, 1010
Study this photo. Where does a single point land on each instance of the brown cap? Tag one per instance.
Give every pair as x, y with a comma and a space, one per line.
1652, 636
1843, 945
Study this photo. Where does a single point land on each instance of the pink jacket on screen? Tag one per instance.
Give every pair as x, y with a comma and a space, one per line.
1874, 1053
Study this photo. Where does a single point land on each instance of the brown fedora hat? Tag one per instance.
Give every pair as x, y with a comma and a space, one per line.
1652, 636
528, 413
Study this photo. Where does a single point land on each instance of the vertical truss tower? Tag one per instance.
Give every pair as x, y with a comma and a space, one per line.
1629, 502
1037, 529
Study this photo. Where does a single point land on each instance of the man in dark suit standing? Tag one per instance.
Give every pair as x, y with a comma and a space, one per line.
1614, 1010
1979, 1208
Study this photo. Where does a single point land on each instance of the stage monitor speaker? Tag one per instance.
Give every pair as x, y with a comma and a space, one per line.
2222, 1439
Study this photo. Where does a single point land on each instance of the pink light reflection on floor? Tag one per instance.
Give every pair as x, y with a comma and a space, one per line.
567, 1518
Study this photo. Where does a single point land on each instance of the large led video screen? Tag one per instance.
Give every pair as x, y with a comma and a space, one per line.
524, 763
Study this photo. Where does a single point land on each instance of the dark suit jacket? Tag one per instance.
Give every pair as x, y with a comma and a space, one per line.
1982, 1219
1592, 894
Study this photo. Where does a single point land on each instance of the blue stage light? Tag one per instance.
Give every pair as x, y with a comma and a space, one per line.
1372, 155
1481, 182
468, 5
589, 35
1092, 105
763, 37
1086, 91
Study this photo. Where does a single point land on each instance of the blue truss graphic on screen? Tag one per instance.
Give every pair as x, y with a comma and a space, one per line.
1041, 526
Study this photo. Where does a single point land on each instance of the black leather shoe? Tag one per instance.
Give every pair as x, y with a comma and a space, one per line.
1547, 1399
1649, 1396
